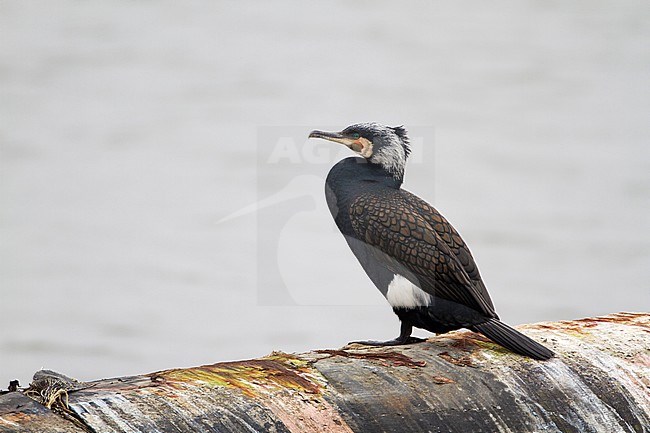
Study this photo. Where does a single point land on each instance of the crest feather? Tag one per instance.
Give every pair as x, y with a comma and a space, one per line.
400, 131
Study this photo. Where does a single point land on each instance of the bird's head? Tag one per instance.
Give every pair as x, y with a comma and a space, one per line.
382, 145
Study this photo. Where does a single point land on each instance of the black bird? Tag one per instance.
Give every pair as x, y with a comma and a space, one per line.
411, 253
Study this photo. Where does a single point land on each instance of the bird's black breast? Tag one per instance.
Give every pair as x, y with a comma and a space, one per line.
347, 181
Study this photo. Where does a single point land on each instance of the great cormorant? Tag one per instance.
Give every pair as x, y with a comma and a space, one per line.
409, 250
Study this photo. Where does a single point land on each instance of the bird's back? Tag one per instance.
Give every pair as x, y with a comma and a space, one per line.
451, 237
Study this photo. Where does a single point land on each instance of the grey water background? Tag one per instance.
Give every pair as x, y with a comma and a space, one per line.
137, 137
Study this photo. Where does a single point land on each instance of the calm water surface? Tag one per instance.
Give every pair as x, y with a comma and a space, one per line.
160, 205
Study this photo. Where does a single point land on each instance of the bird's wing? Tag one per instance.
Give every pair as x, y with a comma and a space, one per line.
388, 221
451, 237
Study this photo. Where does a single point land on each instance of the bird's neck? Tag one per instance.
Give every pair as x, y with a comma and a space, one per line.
351, 178
389, 176
353, 174
392, 159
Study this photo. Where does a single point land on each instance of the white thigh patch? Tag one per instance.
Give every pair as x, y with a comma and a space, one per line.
402, 293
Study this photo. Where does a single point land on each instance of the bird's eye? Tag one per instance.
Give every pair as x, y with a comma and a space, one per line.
355, 135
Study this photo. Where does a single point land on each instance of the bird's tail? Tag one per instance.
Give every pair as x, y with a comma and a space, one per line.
512, 339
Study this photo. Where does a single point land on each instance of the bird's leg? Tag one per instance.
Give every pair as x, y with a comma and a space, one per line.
404, 338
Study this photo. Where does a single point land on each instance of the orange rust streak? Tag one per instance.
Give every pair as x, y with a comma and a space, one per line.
463, 361
441, 380
622, 318
18, 417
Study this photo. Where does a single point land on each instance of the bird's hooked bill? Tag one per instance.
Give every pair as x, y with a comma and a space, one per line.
332, 136
336, 137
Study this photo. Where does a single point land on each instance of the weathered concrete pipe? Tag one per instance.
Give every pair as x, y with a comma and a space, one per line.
457, 382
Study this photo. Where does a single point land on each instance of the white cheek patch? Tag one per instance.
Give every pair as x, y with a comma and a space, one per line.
404, 294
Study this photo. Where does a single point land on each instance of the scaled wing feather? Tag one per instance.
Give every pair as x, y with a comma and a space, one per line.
391, 222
